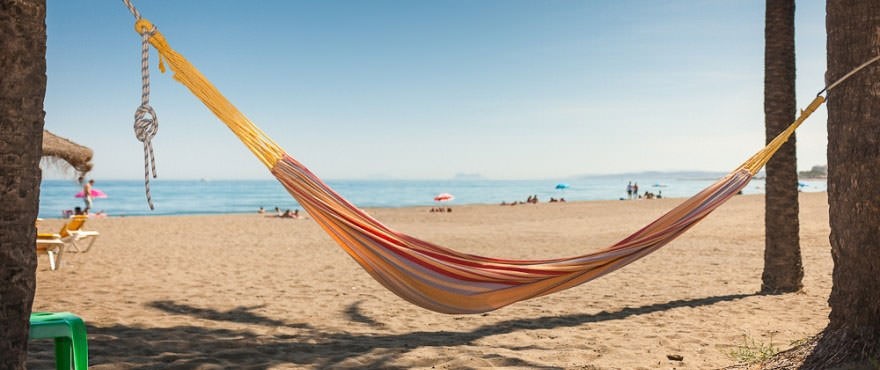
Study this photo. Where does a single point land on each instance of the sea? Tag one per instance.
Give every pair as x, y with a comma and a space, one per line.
191, 197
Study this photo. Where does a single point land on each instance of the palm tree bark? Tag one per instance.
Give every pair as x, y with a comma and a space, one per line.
853, 333
782, 254
22, 88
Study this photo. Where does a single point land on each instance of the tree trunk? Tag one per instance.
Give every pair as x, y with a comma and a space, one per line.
853, 334
22, 88
782, 254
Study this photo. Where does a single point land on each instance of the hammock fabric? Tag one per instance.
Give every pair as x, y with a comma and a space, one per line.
438, 278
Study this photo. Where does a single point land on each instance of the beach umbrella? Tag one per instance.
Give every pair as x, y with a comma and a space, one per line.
562, 185
62, 150
444, 197
95, 194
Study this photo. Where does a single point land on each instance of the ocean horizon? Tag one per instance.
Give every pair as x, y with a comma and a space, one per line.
191, 197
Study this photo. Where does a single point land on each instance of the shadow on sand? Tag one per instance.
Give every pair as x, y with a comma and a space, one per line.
200, 347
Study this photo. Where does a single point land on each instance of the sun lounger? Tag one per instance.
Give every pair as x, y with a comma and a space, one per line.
73, 235
54, 248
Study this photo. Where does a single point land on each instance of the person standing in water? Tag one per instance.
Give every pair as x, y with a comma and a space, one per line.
629, 190
635, 190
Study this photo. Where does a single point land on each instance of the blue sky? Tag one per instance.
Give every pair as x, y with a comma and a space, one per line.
403, 89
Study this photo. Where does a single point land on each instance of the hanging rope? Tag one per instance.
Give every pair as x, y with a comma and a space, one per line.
146, 123
848, 75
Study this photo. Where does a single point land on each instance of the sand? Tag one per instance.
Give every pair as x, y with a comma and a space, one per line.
244, 291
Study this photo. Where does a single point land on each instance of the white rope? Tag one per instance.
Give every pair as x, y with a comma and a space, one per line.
132, 9
848, 75
145, 128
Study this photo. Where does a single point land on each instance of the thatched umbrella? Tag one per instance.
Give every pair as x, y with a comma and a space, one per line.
59, 148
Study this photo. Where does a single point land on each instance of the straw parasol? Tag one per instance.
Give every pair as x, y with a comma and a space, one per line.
61, 149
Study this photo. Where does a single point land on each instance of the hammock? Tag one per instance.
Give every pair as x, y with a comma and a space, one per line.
438, 278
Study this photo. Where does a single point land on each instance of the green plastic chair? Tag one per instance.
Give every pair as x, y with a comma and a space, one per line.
69, 333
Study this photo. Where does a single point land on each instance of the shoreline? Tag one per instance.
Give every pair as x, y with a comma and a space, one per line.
427, 206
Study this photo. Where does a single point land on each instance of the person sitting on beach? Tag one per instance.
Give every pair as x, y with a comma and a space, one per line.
659, 194
535, 199
529, 199
78, 211
277, 212
448, 209
261, 211
552, 200
287, 214
503, 203
296, 213
562, 199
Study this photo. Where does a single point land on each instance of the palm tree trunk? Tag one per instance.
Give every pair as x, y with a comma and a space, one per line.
22, 88
853, 334
782, 254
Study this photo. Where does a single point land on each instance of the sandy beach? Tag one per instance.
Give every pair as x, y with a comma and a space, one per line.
245, 291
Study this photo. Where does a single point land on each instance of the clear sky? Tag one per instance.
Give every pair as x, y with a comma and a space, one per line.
417, 89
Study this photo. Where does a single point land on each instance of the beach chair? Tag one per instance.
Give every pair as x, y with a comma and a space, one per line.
54, 248
73, 235
69, 333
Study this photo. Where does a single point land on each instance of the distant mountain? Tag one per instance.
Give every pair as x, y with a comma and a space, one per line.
817, 172
687, 175
467, 176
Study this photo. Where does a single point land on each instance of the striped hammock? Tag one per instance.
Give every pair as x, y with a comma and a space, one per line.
438, 278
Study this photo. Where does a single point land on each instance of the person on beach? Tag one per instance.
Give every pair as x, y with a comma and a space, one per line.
261, 211
87, 195
629, 190
636, 190
277, 212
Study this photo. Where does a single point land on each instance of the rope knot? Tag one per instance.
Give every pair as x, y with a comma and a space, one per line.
145, 128
144, 27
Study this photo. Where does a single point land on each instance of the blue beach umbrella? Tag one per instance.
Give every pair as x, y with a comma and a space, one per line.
562, 185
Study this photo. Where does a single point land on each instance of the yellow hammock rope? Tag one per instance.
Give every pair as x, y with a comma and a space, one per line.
255, 139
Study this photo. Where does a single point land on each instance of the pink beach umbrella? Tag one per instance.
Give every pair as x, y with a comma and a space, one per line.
95, 194
444, 197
